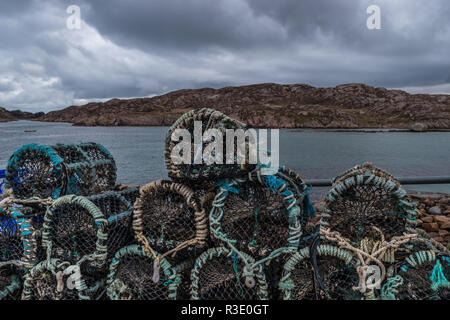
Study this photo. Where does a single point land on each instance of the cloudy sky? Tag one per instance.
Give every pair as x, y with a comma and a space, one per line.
139, 48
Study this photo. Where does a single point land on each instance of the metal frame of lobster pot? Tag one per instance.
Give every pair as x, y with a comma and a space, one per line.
55, 170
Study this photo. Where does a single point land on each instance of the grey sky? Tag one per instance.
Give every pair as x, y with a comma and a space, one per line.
148, 47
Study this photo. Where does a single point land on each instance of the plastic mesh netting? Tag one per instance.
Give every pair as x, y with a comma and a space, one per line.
118, 213
133, 276
53, 171
363, 197
75, 228
328, 273
168, 217
221, 274
197, 168
54, 280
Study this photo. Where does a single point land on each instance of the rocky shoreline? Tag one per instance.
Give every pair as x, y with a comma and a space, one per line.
270, 105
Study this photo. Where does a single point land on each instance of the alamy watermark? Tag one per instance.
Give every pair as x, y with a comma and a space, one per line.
374, 20
241, 147
73, 22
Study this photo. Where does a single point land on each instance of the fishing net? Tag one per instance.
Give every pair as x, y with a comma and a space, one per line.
75, 230
133, 276
55, 280
363, 197
118, 213
52, 171
199, 167
328, 273
423, 275
221, 274
10, 285
169, 219
259, 215
130, 194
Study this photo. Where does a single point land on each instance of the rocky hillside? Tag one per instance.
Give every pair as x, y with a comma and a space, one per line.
6, 115
274, 105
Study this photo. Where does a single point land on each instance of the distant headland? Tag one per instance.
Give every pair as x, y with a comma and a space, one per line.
270, 105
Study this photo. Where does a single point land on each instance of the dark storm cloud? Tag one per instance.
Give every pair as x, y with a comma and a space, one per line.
141, 48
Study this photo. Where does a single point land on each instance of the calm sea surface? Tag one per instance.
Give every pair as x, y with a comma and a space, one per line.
312, 153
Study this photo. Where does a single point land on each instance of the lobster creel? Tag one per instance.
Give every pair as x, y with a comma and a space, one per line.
197, 164
170, 219
327, 273
75, 230
136, 275
52, 171
366, 197
222, 274
54, 279
258, 215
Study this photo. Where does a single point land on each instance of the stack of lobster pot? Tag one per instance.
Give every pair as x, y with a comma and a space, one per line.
49, 228
211, 231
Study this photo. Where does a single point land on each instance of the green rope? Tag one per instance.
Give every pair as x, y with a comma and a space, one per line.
438, 278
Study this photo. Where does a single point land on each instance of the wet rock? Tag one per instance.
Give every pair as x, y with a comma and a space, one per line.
427, 219
431, 227
419, 127
441, 219
435, 210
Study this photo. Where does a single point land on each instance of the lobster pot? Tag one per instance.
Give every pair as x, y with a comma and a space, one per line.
200, 165
168, 217
54, 279
222, 274
366, 197
118, 213
53, 171
73, 228
10, 286
133, 276
258, 215
423, 275
327, 273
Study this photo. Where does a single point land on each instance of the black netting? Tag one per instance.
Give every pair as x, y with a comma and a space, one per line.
421, 276
119, 215
220, 276
168, 215
132, 277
